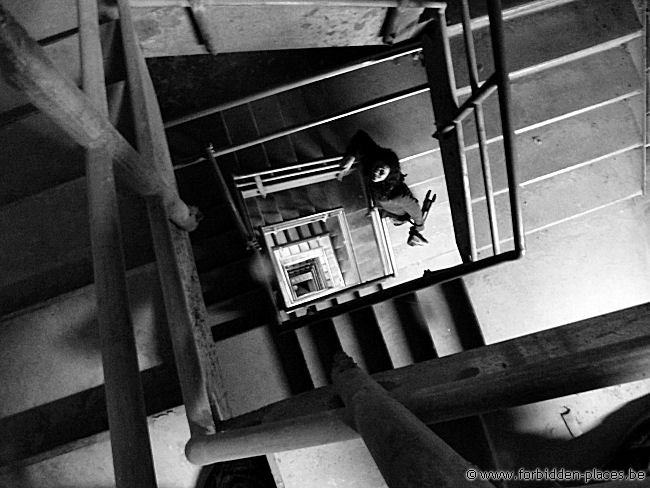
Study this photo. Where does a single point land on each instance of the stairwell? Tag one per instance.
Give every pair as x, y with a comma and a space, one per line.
578, 90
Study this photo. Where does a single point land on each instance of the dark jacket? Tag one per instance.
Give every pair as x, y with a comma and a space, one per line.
392, 195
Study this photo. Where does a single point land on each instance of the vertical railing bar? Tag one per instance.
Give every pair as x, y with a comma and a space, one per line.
391, 252
501, 71
469, 46
466, 190
380, 240
487, 178
480, 125
447, 50
345, 229
644, 151
234, 210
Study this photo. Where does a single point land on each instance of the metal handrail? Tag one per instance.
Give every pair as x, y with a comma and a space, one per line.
241, 224
389, 55
507, 129
480, 125
315, 123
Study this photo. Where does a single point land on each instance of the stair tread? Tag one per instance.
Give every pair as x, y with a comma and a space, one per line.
226, 281
570, 194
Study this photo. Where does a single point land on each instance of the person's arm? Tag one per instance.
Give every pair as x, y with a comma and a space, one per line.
359, 147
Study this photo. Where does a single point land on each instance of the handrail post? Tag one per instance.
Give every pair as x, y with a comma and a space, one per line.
445, 107
501, 72
479, 120
130, 444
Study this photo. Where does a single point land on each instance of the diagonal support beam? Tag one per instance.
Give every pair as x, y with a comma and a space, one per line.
440, 73
25, 65
196, 361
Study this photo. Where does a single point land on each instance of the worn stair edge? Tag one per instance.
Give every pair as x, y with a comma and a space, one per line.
566, 196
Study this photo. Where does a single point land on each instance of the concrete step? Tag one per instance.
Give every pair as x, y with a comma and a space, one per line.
252, 370
556, 92
218, 250
235, 315
36, 156
226, 281
242, 127
295, 110
361, 338
551, 34
559, 146
268, 210
568, 195
309, 346
269, 118
327, 343
46, 243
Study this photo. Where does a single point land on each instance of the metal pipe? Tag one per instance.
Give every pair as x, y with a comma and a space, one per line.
293, 167
476, 98
127, 420
471, 232
469, 46
232, 205
405, 50
487, 178
330, 168
501, 71
297, 128
646, 81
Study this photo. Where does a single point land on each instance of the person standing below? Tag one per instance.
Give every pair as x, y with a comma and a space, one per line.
385, 181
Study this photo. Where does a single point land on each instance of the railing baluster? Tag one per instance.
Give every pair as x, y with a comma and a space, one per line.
480, 125
487, 178
501, 70
471, 232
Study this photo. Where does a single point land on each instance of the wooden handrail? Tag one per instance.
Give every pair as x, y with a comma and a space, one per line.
131, 446
186, 314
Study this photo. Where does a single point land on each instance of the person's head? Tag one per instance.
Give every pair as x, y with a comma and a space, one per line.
380, 172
